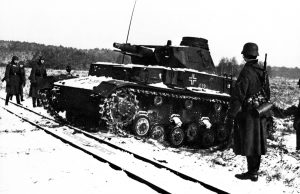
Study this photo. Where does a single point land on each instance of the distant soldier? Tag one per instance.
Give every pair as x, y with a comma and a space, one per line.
13, 80
297, 124
250, 129
38, 72
69, 69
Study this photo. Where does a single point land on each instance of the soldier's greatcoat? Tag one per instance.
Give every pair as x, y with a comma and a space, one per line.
250, 130
38, 72
13, 79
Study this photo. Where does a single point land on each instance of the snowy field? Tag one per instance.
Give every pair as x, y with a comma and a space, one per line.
34, 162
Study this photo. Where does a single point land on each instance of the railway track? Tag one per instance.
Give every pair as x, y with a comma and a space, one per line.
134, 165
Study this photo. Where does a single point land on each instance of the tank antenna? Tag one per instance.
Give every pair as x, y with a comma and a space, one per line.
129, 28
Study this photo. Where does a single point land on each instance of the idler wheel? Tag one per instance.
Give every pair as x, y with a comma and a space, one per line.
192, 133
157, 132
141, 126
176, 137
207, 138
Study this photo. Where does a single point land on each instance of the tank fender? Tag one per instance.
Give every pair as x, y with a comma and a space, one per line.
106, 88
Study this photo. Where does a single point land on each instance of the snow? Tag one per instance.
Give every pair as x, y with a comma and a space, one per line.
39, 163
130, 65
33, 162
207, 91
92, 81
83, 82
160, 85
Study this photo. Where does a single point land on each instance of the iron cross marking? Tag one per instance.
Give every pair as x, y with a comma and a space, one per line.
192, 79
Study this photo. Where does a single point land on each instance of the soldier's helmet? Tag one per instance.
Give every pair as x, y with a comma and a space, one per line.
14, 58
41, 58
250, 49
68, 68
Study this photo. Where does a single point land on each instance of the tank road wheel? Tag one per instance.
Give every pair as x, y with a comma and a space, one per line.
176, 137
141, 126
157, 132
192, 133
208, 138
119, 110
158, 100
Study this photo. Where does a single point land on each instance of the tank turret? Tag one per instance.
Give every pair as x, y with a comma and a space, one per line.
193, 53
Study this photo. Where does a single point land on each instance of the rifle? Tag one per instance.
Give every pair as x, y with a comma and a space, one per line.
265, 70
263, 108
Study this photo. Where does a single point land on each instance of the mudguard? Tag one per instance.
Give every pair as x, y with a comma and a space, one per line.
106, 88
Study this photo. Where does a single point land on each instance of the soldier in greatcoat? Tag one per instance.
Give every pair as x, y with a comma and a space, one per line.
249, 128
38, 72
13, 80
297, 124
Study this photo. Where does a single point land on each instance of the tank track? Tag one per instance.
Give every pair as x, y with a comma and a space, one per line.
143, 120
51, 103
208, 137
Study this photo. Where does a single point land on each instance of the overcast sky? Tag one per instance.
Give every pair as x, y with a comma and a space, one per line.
227, 24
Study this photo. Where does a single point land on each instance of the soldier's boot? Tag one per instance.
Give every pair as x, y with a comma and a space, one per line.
33, 101
18, 99
10, 97
22, 98
7, 99
247, 175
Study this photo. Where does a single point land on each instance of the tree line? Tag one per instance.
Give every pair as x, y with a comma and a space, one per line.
58, 57
230, 66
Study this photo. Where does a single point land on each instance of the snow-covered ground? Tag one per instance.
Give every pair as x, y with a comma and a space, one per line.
37, 162
33, 162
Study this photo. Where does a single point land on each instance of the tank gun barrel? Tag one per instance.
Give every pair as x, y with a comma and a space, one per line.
135, 50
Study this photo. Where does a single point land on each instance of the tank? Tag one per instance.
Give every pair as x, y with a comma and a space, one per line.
169, 93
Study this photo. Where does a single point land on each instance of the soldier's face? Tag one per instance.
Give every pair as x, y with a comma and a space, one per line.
16, 61
42, 61
245, 59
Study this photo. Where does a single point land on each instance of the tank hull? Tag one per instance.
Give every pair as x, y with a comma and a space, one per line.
187, 113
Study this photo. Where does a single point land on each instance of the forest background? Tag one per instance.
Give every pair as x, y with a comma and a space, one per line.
58, 57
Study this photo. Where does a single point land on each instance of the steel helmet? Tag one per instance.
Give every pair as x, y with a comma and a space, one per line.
14, 58
250, 49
